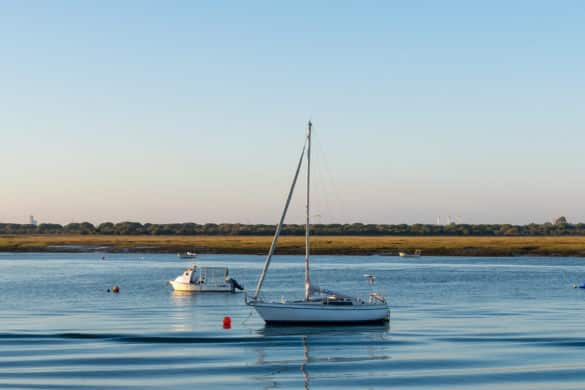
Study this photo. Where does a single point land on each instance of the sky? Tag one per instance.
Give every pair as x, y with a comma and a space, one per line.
195, 111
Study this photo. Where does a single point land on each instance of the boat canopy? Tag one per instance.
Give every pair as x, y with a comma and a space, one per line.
205, 274
213, 274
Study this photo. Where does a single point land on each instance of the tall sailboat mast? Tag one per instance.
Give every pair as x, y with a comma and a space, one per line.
307, 228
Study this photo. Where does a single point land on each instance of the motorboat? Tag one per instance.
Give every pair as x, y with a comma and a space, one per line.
205, 279
320, 306
187, 255
405, 254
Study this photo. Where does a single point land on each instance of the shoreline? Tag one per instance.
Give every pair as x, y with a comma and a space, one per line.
573, 246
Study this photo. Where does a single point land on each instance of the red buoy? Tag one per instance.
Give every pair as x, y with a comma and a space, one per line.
227, 322
115, 289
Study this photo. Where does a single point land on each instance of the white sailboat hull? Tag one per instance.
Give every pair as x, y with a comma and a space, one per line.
317, 312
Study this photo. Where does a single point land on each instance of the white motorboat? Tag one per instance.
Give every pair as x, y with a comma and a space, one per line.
205, 279
187, 255
405, 254
320, 305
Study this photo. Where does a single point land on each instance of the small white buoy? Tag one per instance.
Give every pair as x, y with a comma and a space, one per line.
574, 286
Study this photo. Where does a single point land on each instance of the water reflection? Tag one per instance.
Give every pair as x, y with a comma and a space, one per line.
379, 330
181, 318
305, 362
321, 346
190, 311
186, 298
181, 296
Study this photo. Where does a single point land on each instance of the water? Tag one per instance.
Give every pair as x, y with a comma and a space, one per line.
456, 322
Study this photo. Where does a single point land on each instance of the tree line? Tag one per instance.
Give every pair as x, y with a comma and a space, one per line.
559, 228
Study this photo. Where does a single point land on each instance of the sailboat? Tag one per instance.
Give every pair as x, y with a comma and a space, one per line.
320, 305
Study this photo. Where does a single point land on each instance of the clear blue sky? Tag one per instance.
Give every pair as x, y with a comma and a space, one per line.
195, 111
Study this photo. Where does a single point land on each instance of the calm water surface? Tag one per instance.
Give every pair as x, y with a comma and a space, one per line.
456, 322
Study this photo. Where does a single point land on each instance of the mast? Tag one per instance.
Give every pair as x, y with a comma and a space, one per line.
307, 228
279, 228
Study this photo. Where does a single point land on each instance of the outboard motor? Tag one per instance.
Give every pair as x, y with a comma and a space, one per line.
234, 284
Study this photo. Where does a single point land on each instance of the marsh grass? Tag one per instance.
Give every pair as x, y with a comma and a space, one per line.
389, 245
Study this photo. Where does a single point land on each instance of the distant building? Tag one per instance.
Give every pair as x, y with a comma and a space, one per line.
33, 221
